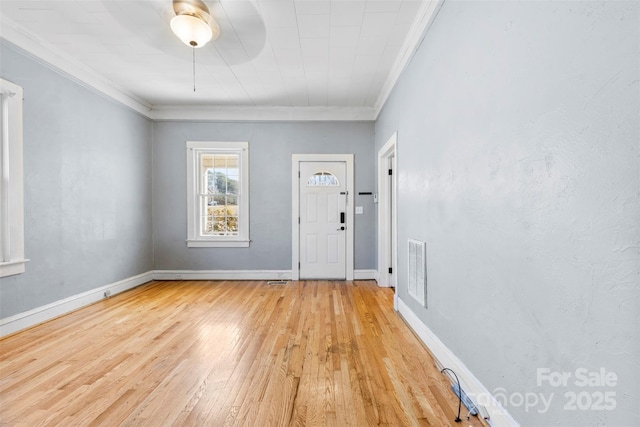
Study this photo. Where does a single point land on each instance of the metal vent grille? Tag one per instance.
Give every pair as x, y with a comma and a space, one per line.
418, 271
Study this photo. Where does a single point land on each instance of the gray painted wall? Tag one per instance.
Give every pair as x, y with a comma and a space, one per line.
89, 186
87, 163
518, 148
270, 148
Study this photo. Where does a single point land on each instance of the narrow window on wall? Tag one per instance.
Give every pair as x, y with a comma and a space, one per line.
218, 194
12, 259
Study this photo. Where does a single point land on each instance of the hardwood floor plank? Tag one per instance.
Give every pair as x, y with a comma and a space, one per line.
226, 353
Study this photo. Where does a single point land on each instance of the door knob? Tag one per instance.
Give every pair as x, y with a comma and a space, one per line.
341, 228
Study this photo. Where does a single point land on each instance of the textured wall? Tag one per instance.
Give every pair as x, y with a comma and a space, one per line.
518, 145
87, 166
270, 148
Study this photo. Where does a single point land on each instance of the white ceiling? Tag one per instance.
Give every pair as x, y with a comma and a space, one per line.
300, 58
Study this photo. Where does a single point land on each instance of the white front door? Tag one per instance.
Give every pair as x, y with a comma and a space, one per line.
323, 219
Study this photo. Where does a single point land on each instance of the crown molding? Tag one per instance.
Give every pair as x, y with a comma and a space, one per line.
77, 71
258, 114
426, 14
86, 76
80, 73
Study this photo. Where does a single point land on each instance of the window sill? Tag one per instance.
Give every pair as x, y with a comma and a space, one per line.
12, 268
218, 243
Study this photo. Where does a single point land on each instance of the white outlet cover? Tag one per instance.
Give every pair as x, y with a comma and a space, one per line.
359, 210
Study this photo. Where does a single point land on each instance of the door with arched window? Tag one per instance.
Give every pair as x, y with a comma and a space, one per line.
323, 220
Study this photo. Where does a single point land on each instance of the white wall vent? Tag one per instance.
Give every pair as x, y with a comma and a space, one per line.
418, 271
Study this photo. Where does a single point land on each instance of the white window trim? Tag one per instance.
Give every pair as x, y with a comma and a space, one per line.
194, 240
12, 260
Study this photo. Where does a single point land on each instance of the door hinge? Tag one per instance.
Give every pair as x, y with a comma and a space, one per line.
298, 174
390, 270
298, 220
390, 171
298, 266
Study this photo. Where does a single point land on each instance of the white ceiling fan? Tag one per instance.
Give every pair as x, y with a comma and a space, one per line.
193, 23
195, 26
235, 26
228, 23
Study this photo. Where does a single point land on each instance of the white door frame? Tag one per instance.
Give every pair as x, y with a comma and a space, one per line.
385, 200
295, 208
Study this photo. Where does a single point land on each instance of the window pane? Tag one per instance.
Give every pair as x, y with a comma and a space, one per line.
326, 179
210, 182
232, 225
207, 225
209, 200
219, 225
220, 182
232, 201
232, 162
232, 185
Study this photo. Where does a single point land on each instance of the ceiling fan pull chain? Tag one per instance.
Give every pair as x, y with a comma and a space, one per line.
194, 67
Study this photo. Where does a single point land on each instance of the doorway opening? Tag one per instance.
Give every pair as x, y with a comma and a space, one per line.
387, 215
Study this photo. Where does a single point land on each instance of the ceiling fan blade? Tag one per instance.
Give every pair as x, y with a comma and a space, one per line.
242, 31
147, 23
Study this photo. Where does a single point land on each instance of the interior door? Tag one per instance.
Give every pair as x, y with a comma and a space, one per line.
392, 219
323, 200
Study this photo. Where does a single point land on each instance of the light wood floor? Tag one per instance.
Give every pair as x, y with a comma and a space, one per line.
202, 353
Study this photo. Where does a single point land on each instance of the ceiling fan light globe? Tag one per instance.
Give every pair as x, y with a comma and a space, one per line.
193, 31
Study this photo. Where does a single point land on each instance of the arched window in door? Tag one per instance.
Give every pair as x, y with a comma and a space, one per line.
323, 179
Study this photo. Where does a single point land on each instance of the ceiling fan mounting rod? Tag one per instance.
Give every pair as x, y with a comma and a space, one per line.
195, 8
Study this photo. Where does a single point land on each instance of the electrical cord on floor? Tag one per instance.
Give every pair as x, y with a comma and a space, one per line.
458, 419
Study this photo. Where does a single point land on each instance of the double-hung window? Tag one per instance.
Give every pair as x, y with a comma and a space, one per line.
12, 259
218, 194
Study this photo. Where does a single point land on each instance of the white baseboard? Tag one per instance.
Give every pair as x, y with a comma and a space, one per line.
365, 275
222, 275
469, 383
41, 314
243, 275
